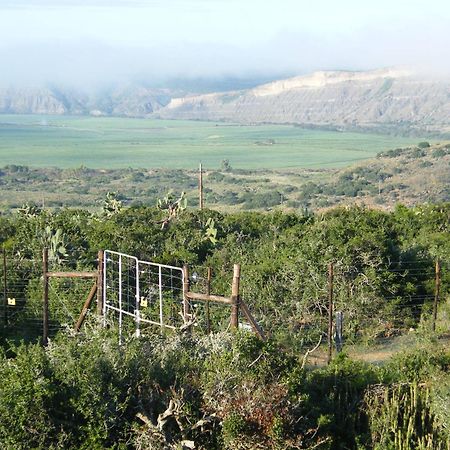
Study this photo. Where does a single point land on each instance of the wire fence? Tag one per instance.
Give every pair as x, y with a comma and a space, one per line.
21, 306
373, 303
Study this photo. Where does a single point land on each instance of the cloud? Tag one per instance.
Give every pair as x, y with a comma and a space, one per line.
111, 45
29, 4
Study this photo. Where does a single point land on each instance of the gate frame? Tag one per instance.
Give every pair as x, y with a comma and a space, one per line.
137, 312
234, 300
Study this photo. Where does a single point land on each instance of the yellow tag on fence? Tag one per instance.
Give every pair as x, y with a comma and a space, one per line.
11, 301
144, 302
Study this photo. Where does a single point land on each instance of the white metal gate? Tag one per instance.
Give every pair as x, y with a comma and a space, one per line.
138, 293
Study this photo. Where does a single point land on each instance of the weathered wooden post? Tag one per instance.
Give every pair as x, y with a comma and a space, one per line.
100, 283
186, 305
45, 297
208, 292
330, 310
85, 309
437, 289
235, 296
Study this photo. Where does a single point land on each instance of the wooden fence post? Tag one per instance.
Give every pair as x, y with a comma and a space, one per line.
5, 289
330, 310
208, 292
86, 306
437, 289
45, 297
235, 296
186, 306
100, 283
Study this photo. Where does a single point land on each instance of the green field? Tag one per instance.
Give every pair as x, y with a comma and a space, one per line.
43, 141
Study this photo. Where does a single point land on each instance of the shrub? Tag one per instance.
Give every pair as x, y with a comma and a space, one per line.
417, 364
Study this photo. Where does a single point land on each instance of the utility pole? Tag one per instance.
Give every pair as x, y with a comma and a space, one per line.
200, 187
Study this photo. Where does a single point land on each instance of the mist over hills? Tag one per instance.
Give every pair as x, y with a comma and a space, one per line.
133, 101
387, 99
381, 98
136, 99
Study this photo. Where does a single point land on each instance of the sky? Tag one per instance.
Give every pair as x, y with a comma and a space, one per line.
95, 42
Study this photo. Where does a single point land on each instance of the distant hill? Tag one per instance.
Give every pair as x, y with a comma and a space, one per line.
392, 99
140, 99
132, 100
387, 100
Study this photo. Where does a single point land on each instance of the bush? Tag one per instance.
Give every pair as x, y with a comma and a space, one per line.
418, 364
439, 153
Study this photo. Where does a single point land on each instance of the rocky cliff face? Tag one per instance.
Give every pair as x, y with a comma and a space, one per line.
133, 101
30, 101
374, 99
341, 99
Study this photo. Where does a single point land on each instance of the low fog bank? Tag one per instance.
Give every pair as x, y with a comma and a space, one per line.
93, 64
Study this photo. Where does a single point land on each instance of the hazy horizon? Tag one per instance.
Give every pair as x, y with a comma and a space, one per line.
96, 43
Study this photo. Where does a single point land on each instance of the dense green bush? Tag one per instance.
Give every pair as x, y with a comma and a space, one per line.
218, 391
86, 391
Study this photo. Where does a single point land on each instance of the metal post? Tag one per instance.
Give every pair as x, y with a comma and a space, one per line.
437, 290
330, 310
104, 288
186, 305
235, 296
138, 301
45, 297
100, 283
161, 318
120, 299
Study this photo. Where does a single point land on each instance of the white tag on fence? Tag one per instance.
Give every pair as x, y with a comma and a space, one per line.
11, 301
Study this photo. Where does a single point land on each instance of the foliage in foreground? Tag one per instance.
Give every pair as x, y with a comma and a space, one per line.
383, 262
223, 391
233, 391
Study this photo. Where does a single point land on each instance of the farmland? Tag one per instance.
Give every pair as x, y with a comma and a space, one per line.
109, 143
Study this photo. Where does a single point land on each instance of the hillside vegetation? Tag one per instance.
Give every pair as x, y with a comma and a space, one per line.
230, 390
410, 175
